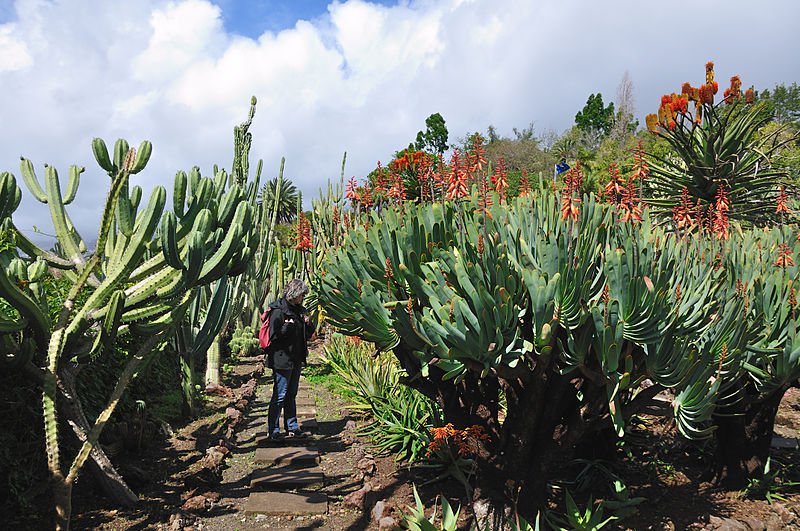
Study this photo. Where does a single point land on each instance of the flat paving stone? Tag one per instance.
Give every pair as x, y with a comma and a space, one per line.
286, 477
277, 455
305, 401
262, 441
286, 503
306, 412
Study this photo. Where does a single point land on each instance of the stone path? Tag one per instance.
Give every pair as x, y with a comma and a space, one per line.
286, 477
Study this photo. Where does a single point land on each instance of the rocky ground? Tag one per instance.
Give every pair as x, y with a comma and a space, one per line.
199, 477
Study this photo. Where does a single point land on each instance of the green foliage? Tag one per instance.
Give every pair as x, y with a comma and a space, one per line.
287, 204
470, 304
773, 485
398, 417
595, 117
576, 519
783, 102
434, 138
416, 520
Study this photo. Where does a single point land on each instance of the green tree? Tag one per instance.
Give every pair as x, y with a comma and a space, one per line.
783, 101
287, 204
434, 138
596, 117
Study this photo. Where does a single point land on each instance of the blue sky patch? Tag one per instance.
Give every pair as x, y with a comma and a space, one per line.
251, 18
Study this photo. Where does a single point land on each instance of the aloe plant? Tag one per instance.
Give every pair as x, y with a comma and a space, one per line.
567, 317
718, 146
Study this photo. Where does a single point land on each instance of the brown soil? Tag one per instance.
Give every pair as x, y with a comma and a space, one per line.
666, 470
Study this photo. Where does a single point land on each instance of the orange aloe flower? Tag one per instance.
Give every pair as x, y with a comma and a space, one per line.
682, 212
304, 242
457, 180
784, 256
351, 190
570, 206
783, 202
613, 190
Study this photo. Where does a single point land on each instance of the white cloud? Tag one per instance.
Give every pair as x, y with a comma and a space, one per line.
13, 52
182, 33
361, 79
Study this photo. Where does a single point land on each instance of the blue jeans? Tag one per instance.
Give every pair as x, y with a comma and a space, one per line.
284, 395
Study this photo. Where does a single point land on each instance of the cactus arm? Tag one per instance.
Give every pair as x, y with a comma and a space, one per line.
218, 263
179, 193
132, 254
169, 242
31, 181
33, 250
215, 318
73, 180
124, 212
108, 331
10, 195
27, 308
63, 227
142, 157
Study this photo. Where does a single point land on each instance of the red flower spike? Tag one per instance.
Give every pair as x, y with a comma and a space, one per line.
500, 179
721, 224
749, 96
784, 256
783, 202
351, 190
613, 190
682, 212
304, 242
457, 180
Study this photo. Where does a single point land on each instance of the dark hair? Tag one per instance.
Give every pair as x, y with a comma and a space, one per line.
294, 288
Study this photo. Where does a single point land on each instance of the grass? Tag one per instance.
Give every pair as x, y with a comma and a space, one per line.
323, 374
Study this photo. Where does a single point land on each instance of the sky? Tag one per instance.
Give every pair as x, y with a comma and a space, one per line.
351, 76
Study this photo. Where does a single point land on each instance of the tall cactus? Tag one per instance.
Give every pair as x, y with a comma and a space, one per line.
246, 292
566, 318
132, 284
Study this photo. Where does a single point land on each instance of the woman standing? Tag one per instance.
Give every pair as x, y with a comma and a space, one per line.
289, 331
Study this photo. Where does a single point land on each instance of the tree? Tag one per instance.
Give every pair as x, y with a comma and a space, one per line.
434, 138
287, 205
783, 101
624, 122
595, 117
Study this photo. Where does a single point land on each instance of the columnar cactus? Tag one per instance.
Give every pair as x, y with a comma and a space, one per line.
138, 283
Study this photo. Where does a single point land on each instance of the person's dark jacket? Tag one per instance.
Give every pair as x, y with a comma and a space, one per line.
288, 334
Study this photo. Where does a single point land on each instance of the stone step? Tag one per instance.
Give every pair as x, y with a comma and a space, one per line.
306, 412
305, 401
286, 503
262, 441
277, 455
287, 477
